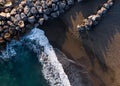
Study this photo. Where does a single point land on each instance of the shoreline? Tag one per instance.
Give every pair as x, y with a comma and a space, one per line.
101, 47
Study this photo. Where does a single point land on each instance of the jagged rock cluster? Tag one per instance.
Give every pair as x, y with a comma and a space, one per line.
93, 20
14, 19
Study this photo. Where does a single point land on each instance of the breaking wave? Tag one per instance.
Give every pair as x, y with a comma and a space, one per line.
52, 69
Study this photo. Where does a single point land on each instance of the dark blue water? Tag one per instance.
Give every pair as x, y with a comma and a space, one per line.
22, 70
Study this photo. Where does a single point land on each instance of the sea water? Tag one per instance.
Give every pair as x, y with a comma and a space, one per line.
25, 69
22, 70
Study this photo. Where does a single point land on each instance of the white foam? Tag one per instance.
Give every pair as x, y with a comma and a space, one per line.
8, 52
52, 68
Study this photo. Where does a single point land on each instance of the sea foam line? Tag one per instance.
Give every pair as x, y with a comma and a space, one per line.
52, 69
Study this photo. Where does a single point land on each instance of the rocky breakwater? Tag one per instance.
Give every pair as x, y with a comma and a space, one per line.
93, 20
14, 19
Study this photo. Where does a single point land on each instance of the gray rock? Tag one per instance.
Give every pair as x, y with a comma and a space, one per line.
7, 10
17, 17
41, 21
103, 10
81, 27
54, 7
45, 17
40, 9
44, 4
47, 11
94, 17
13, 11
29, 14
12, 30
8, 15
33, 10
23, 16
62, 5
55, 14
10, 23
70, 2
111, 3
1, 29
14, 20
55, 0
99, 12
61, 11
2, 1
49, 2
23, 3
79, 0
107, 6
88, 22
17, 28
26, 10
37, 3
87, 27
2, 23
31, 19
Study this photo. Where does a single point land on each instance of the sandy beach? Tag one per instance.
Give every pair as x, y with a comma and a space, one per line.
98, 50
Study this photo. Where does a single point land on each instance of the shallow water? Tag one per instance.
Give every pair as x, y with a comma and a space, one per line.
22, 70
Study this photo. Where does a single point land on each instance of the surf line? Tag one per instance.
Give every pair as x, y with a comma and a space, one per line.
51, 68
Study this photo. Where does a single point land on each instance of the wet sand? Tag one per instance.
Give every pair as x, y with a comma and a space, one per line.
98, 50
77, 73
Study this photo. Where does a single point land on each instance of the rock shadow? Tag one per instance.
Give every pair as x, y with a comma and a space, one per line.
97, 42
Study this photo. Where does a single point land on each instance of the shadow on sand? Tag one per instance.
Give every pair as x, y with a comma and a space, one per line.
95, 43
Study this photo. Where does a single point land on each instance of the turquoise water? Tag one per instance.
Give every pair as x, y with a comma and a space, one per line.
22, 70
